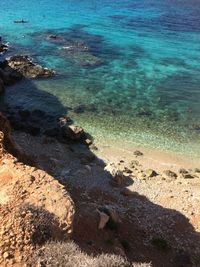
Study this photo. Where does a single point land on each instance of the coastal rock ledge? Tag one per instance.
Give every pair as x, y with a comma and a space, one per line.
17, 67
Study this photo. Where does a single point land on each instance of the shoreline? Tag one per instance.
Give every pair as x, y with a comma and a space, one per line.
152, 158
111, 143
108, 129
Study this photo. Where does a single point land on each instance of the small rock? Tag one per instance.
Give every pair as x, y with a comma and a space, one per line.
64, 120
127, 170
134, 163
183, 171
52, 36
73, 132
93, 147
6, 255
150, 173
116, 174
104, 218
197, 170
170, 174
188, 176
141, 175
138, 153
88, 142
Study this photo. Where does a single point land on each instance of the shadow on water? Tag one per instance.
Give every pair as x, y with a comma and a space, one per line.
147, 233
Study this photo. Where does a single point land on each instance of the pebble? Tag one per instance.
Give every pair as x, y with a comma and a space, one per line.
6, 255
138, 153
170, 174
188, 176
183, 171
150, 173
197, 170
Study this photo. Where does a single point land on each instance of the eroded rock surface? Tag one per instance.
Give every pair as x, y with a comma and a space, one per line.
34, 207
17, 67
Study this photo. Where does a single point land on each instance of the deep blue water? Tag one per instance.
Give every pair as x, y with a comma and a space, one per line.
147, 87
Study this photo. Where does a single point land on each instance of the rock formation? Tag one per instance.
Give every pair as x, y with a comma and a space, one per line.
34, 207
16, 67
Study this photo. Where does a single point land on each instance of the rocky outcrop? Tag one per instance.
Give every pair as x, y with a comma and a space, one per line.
17, 67
34, 207
39, 122
3, 48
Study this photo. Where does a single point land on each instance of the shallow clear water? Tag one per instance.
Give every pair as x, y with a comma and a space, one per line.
146, 89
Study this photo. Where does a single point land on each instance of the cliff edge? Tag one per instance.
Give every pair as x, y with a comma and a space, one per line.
34, 207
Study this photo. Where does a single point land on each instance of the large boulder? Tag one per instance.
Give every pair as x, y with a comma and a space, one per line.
25, 66
17, 67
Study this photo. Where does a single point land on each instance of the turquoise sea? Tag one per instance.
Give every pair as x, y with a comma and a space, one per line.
132, 74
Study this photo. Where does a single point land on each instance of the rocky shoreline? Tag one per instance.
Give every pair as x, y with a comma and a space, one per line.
13, 70
118, 212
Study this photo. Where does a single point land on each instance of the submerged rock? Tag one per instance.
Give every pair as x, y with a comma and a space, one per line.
86, 59
80, 109
75, 46
53, 37
79, 53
